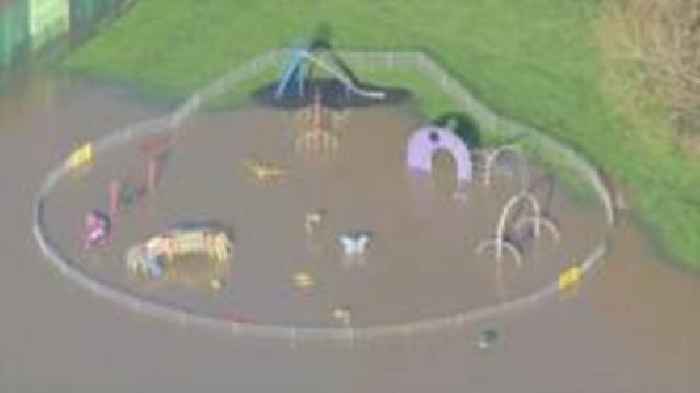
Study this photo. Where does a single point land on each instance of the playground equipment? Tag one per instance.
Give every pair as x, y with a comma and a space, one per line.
121, 195
97, 229
355, 243
514, 201
216, 284
156, 146
499, 242
536, 219
209, 276
491, 157
292, 82
499, 246
115, 189
303, 280
316, 137
155, 258
171, 310
313, 221
487, 338
154, 150
152, 174
294, 77
264, 171
537, 223
427, 141
343, 315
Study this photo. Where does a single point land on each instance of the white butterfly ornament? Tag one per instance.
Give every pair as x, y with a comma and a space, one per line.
355, 243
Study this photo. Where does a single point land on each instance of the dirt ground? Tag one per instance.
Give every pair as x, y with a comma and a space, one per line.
632, 328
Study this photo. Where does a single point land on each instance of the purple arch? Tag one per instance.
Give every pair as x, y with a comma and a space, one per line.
425, 142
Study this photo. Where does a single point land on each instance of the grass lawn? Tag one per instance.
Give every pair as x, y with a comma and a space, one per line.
536, 61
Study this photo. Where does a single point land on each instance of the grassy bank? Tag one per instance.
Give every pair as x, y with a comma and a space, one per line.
536, 61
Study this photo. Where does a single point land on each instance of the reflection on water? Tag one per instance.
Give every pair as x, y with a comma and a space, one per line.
197, 271
445, 172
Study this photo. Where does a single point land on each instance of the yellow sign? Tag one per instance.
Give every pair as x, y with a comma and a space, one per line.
81, 157
570, 277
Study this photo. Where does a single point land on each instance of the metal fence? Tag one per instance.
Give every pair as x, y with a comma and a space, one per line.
87, 15
294, 334
14, 30
30, 24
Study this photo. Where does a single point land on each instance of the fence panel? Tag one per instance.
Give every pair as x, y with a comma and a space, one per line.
14, 30
86, 14
48, 19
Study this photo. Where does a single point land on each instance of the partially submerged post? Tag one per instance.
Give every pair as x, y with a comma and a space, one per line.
152, 174
115, 191
154, 150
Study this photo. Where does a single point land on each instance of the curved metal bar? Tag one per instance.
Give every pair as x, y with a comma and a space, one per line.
512, 202
541, 221
494, 155
517, 255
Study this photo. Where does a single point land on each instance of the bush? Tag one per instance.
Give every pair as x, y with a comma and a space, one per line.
653, 47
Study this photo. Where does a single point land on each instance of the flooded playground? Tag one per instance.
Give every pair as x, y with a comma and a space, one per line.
422, 261
630, 327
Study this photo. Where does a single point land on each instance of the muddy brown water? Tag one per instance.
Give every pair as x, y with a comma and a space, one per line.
421, 262
632, 328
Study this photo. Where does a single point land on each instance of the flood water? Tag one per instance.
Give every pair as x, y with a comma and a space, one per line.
632, 328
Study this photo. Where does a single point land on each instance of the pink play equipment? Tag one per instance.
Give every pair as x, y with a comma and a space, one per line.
428, 140
97, 230
115, 191
152, 174
154, 149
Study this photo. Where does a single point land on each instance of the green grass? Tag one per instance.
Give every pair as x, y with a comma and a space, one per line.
533, 60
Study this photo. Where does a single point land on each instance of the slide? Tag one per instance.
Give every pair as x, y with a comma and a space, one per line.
344, 79
296, 73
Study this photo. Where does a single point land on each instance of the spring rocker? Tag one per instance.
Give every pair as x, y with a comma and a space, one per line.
156, 259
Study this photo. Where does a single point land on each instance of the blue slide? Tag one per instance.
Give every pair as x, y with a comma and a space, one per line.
294, 76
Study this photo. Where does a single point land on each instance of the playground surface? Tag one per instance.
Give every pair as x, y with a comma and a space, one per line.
633, 327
